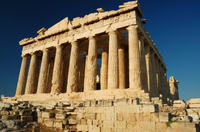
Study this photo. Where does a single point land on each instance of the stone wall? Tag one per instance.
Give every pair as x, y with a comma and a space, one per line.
114, 115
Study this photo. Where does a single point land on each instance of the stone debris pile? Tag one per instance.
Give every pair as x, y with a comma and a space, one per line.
100, 115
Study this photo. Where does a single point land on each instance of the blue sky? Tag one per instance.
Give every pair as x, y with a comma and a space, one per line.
172, 24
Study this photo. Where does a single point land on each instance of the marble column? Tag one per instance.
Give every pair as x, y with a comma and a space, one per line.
162, 80
86, 75
56, 80
143, 64
42, 84
31, 74
22, 76
134, 59
50, 75
37, 75
113, 61
92, 64
126, 66
121, 67
157, 75
73, 68
148, 66
104, 69
154, 81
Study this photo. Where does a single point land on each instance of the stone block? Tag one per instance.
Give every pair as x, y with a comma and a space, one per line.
48, 115
163, 116
39, 113
106, 129
138, 117
82, 128
110, 116
83, 122
119, 129
183, 125
95, 122
99, 109
147, 126
60, 116
146, 108
108, 124
160, 126
5, 105
194, 105
14, 112
129, 117
40, 120
69, 109
58, 124
119, 116
93, 128
119, 102
87, 103
26, 118
7, 117
5, 112
133, 125
133, 109
25, 112
109, 109
65, 122
72, 121
100, 103
146, 117
120, 124
135, 101
48, 122
179, 103
98, 116
90, 116
108, 103
89, 122
120, 109
94, 103
154, 117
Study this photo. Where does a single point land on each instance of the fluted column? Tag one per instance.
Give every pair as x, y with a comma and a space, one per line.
104, 69
86, 75
121, 67
22, 76
157, 75
31, 75
162, 80
154, 81
42, 85
56, 80
143, 64
113, 61
134, 58
148, 66
73, 68
50, 75
92, 64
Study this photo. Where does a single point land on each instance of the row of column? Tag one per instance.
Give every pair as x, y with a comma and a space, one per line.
145, 71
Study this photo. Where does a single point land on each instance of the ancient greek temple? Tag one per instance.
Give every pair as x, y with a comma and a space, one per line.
61, 61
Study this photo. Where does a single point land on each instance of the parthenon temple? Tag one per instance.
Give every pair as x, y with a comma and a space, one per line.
61, 62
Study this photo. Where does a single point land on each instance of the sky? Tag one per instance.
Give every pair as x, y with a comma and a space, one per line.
172, 24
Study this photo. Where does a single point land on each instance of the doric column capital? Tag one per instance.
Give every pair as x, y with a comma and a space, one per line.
46, 50
113, 32
25, 56
59, 47
131, 27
